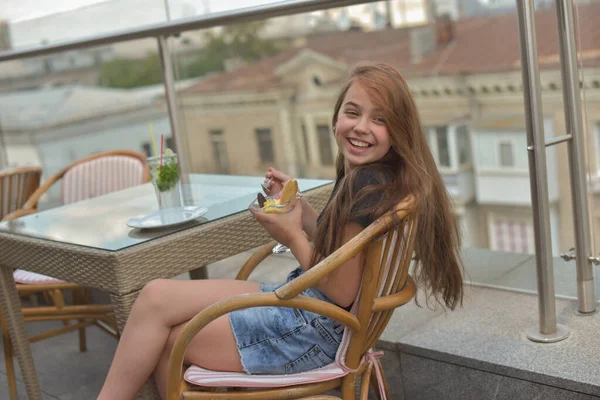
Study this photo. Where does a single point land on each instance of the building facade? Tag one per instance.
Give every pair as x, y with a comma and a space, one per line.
277, 112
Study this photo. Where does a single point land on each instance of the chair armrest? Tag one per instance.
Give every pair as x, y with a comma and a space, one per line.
256, 258
397, 299
35, 197
349, 250
19, 213
240, 302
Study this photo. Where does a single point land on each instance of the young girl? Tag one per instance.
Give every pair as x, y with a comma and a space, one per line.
383, 156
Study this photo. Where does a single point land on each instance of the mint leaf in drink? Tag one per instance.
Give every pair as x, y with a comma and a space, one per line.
167, 176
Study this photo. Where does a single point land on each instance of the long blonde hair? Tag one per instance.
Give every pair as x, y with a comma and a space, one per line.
408, 168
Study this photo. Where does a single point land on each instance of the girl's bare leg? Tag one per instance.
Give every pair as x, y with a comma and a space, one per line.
162, 305
203, 350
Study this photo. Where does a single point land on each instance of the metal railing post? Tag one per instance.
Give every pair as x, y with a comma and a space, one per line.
549, 330
169, 82
3, 151
574, 122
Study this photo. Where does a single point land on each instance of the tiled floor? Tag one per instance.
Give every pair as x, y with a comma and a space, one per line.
487, 333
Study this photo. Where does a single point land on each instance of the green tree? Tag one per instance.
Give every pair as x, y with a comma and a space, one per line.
124, 73
239, 41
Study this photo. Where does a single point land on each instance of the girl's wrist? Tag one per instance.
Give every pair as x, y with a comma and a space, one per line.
302, 250
298, 241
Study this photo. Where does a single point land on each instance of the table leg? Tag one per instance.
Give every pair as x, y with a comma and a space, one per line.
199, 273
122, 305
11, 306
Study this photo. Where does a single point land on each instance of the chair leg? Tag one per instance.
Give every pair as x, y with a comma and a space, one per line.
348, 383
364, 385
375, 385
8, 360
79, 298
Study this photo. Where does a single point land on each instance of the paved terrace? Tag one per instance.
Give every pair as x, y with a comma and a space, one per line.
477, 352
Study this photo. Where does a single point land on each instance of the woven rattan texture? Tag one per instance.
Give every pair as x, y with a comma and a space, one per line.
122, 306
127, 270
16, 324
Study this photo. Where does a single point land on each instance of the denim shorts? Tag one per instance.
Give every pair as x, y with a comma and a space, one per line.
282, 340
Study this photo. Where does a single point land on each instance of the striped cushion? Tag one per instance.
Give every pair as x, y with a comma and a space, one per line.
31, 278
204, 377
100, 176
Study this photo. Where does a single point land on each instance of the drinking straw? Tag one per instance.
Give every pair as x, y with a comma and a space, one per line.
162, 139
153, 141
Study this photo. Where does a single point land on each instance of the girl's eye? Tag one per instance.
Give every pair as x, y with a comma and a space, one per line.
379, 120
351, 112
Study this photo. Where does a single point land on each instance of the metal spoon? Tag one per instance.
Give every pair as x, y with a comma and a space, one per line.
265, 185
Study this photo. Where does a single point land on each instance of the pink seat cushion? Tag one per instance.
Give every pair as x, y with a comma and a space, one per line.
204, 377
31, 278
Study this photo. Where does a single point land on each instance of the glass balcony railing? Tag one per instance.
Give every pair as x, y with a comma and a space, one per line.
259, 93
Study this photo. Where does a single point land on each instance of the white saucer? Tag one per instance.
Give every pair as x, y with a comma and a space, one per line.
166, 217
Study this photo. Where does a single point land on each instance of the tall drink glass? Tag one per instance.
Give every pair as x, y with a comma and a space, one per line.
165, 179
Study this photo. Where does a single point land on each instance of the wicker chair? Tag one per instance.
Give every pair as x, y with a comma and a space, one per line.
16, 187
385, 286
89, 177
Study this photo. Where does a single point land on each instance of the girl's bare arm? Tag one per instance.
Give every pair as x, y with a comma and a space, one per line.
343, 284
309, 220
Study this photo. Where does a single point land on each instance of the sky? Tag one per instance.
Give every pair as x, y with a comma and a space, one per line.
18, 10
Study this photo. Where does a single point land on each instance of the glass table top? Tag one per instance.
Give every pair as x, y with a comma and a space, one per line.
101, 222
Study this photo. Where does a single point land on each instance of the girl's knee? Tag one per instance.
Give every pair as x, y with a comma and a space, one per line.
152, 295
171, 339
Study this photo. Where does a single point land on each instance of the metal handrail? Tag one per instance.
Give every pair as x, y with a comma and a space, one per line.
548, 330
574, 121
166, 29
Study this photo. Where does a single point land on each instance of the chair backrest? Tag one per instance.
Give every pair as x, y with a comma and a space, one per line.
103, 173
16, 186
385, 273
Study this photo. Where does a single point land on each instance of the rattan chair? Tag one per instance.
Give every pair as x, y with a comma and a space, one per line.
89, 177
385, 286
16, 186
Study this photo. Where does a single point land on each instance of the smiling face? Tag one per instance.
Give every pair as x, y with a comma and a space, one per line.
361, 131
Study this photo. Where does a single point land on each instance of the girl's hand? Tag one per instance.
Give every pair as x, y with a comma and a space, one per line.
284, 228
274, 181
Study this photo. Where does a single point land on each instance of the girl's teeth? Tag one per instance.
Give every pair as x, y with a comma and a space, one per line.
359, 144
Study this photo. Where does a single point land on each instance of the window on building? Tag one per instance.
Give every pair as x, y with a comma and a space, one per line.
463, 145
219, 151
305, 141
506, 154
147, 149
170, 143
97, 58
325, 149
47, 66
443, 148
598, 144
265, 145
512, 236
